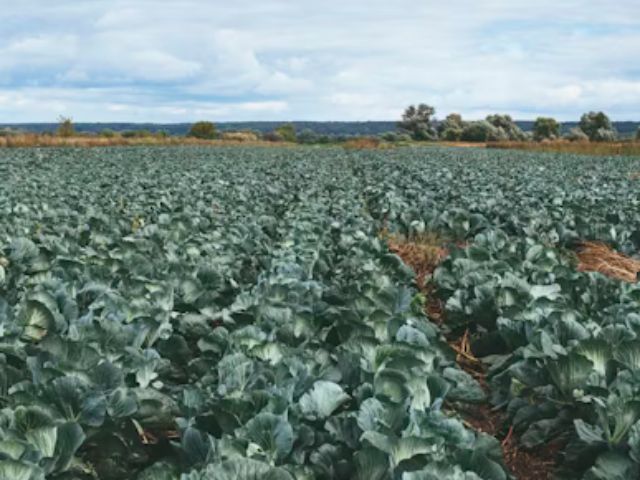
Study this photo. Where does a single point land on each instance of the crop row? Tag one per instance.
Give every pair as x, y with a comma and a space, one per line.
233, 313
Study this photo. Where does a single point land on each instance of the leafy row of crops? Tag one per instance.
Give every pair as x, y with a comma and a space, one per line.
232, 313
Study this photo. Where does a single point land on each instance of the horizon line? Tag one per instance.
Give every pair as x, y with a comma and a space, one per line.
133, 122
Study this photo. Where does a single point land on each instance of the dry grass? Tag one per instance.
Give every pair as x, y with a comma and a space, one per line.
466, 359
600, 257
460, 144
364, 143
37, 140
422, 252
564, 146
243, 137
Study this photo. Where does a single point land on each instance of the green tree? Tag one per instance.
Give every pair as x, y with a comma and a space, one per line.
418, 122
605, 135
506, 128
307, 136
394, 137
451, 134
480, 131
576, 135
545, 128
203, 130
450, 128
597, 126
638, 134
107, 133
65, 127
271, 137
286, 132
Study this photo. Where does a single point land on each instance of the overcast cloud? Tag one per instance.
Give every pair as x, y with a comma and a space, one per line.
173, 61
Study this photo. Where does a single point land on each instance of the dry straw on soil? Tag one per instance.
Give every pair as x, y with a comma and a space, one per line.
422, 252
599, 257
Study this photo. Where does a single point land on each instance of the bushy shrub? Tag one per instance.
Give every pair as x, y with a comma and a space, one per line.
479, 131
203, 130
450, 129
605, 135
65, 127
453, 121
307, 137
546, 128
388, 136
325, 139
8, 131
418, 122
395, 137
287, 132
506, 128
598, 127
576, 135
107, 133
271, 137
451, 134
498, 134
137, 134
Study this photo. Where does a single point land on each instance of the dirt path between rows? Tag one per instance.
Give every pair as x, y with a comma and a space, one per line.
535, 464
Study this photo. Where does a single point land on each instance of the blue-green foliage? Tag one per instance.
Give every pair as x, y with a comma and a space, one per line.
215, 314
231, 313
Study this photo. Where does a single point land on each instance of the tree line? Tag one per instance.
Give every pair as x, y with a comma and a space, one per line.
418, 121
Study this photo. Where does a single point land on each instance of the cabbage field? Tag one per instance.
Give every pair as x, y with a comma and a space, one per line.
237, 314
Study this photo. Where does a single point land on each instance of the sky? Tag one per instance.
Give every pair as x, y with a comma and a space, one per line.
169, 61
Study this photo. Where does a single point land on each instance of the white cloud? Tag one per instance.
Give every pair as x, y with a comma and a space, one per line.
41, 50
282, 83
277, 59
120, 104
155, 65
568, 94
274, 107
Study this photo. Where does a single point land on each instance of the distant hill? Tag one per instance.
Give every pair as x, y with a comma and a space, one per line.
625, 129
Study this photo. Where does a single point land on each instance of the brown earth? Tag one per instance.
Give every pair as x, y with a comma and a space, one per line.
600, 257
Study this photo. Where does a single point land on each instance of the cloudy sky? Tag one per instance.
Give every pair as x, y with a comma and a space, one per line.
173, 61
